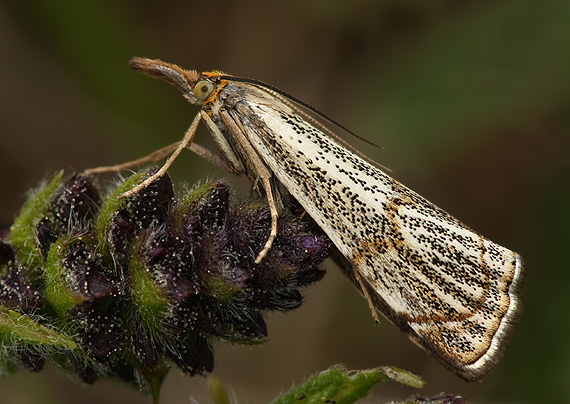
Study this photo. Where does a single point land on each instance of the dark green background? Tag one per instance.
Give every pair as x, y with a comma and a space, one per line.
468, 99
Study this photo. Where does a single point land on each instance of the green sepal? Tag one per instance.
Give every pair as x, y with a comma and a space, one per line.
190, 203
108, 209
19, 328
147, 295
219, 288
58, 291
23, 231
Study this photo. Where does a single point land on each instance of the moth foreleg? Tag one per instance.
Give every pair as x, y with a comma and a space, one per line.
186, 141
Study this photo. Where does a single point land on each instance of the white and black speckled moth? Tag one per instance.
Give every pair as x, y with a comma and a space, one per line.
455, 293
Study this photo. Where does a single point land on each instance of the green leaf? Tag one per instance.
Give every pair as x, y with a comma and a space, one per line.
403, 376
339, 386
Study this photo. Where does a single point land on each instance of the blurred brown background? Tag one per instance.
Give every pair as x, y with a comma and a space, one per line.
468, 99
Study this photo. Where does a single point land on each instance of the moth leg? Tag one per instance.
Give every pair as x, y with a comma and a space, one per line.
186, 141
255, 186
366, 296
257, 171
274, 215
159, 155
154, 156
231, 161
211, 157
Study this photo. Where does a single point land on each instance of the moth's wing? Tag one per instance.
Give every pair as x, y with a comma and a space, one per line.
454, 292
458, 306
461, 290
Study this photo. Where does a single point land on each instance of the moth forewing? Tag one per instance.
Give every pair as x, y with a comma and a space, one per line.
453, 291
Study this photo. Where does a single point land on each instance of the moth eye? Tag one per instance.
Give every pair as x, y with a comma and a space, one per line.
203, 89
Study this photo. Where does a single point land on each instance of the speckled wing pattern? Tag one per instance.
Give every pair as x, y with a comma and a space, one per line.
455, 293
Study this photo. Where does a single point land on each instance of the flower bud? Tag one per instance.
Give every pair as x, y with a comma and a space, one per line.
130, 286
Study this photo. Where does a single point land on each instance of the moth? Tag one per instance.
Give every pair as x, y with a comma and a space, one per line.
455, 293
